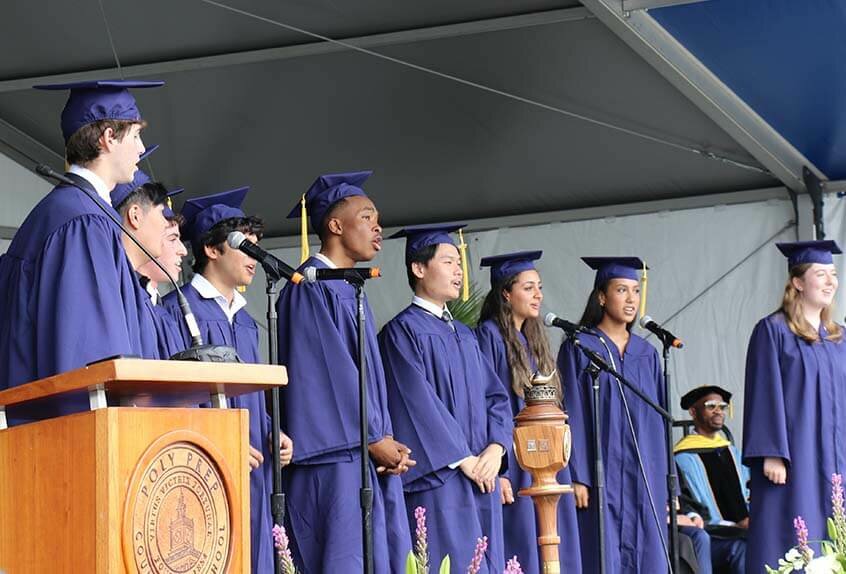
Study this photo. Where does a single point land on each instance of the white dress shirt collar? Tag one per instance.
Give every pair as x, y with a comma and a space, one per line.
329, 263
93, 179
438, 312
209, 291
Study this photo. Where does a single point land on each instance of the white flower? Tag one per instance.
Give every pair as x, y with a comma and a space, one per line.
823, 565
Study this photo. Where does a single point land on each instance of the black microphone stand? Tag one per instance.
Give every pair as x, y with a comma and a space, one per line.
599, 465
366, 488
672, 477
277, 497
597, 364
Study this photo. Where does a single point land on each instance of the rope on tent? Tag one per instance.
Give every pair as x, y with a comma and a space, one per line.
684, 147
119, 68
719, 279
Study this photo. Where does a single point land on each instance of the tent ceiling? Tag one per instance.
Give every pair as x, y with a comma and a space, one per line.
440, 149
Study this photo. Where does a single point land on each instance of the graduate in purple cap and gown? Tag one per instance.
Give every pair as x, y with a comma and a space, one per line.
70, 295
633, 540
318, 343
448, 404
137, 203
223, 320
511, 335
794, 412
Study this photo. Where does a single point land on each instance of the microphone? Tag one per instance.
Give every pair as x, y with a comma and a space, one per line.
668, 338
185, 308
351, 274
273, 266
553, 320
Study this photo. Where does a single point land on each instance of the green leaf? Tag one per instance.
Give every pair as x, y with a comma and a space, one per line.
832, 529
410, 564
444, 569
827, 548
468, 311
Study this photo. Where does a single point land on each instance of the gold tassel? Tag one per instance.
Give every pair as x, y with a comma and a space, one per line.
731, 410
304, 253
169, 203
465, 286
643, 290
241, 288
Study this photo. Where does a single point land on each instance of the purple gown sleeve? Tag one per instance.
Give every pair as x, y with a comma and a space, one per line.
764, 412
320, 403
420, 419
578, 398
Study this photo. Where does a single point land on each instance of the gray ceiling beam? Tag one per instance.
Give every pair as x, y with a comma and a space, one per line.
649, 4
26, 150
682, 69
312, 48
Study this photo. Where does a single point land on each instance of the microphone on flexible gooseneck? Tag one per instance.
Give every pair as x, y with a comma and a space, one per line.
198, 351
271, 264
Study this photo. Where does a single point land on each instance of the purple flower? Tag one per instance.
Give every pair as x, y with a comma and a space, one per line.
837, 496
802, 538
513, 567
421, 545
280, 543
838, 512
478, 555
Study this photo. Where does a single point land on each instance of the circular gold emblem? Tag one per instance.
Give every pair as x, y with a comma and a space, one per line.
178, 512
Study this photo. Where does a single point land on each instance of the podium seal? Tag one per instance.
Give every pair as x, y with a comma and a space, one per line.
178, 511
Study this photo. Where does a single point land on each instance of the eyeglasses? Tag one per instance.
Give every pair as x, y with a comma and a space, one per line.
714, 405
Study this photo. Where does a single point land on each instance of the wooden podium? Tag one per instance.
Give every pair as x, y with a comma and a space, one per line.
138, 489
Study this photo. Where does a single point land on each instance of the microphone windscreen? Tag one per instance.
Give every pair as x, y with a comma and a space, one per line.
549, 319
645, 320
235, 239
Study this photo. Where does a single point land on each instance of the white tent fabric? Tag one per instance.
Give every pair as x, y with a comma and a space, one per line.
20, 190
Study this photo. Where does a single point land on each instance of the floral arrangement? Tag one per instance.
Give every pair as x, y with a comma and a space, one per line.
417, 561
801, 558
280, 542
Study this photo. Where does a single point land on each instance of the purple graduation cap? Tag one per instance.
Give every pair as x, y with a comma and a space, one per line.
608, 268
510, 264
168, 209
203, 213
122, 190
799, 252
97, 100
326, 191
420, 236
147, 152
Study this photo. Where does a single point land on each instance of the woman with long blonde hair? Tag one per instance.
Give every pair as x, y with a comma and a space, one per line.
794, 413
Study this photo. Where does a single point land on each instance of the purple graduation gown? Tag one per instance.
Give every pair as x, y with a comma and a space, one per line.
242, 334
69, 296
447, 403
793, 409
169, 334
318, 343
519, 524
632, 539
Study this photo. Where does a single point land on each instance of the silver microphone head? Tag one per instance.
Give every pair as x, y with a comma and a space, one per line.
645, 320
310, 274
549, 319
235, 239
